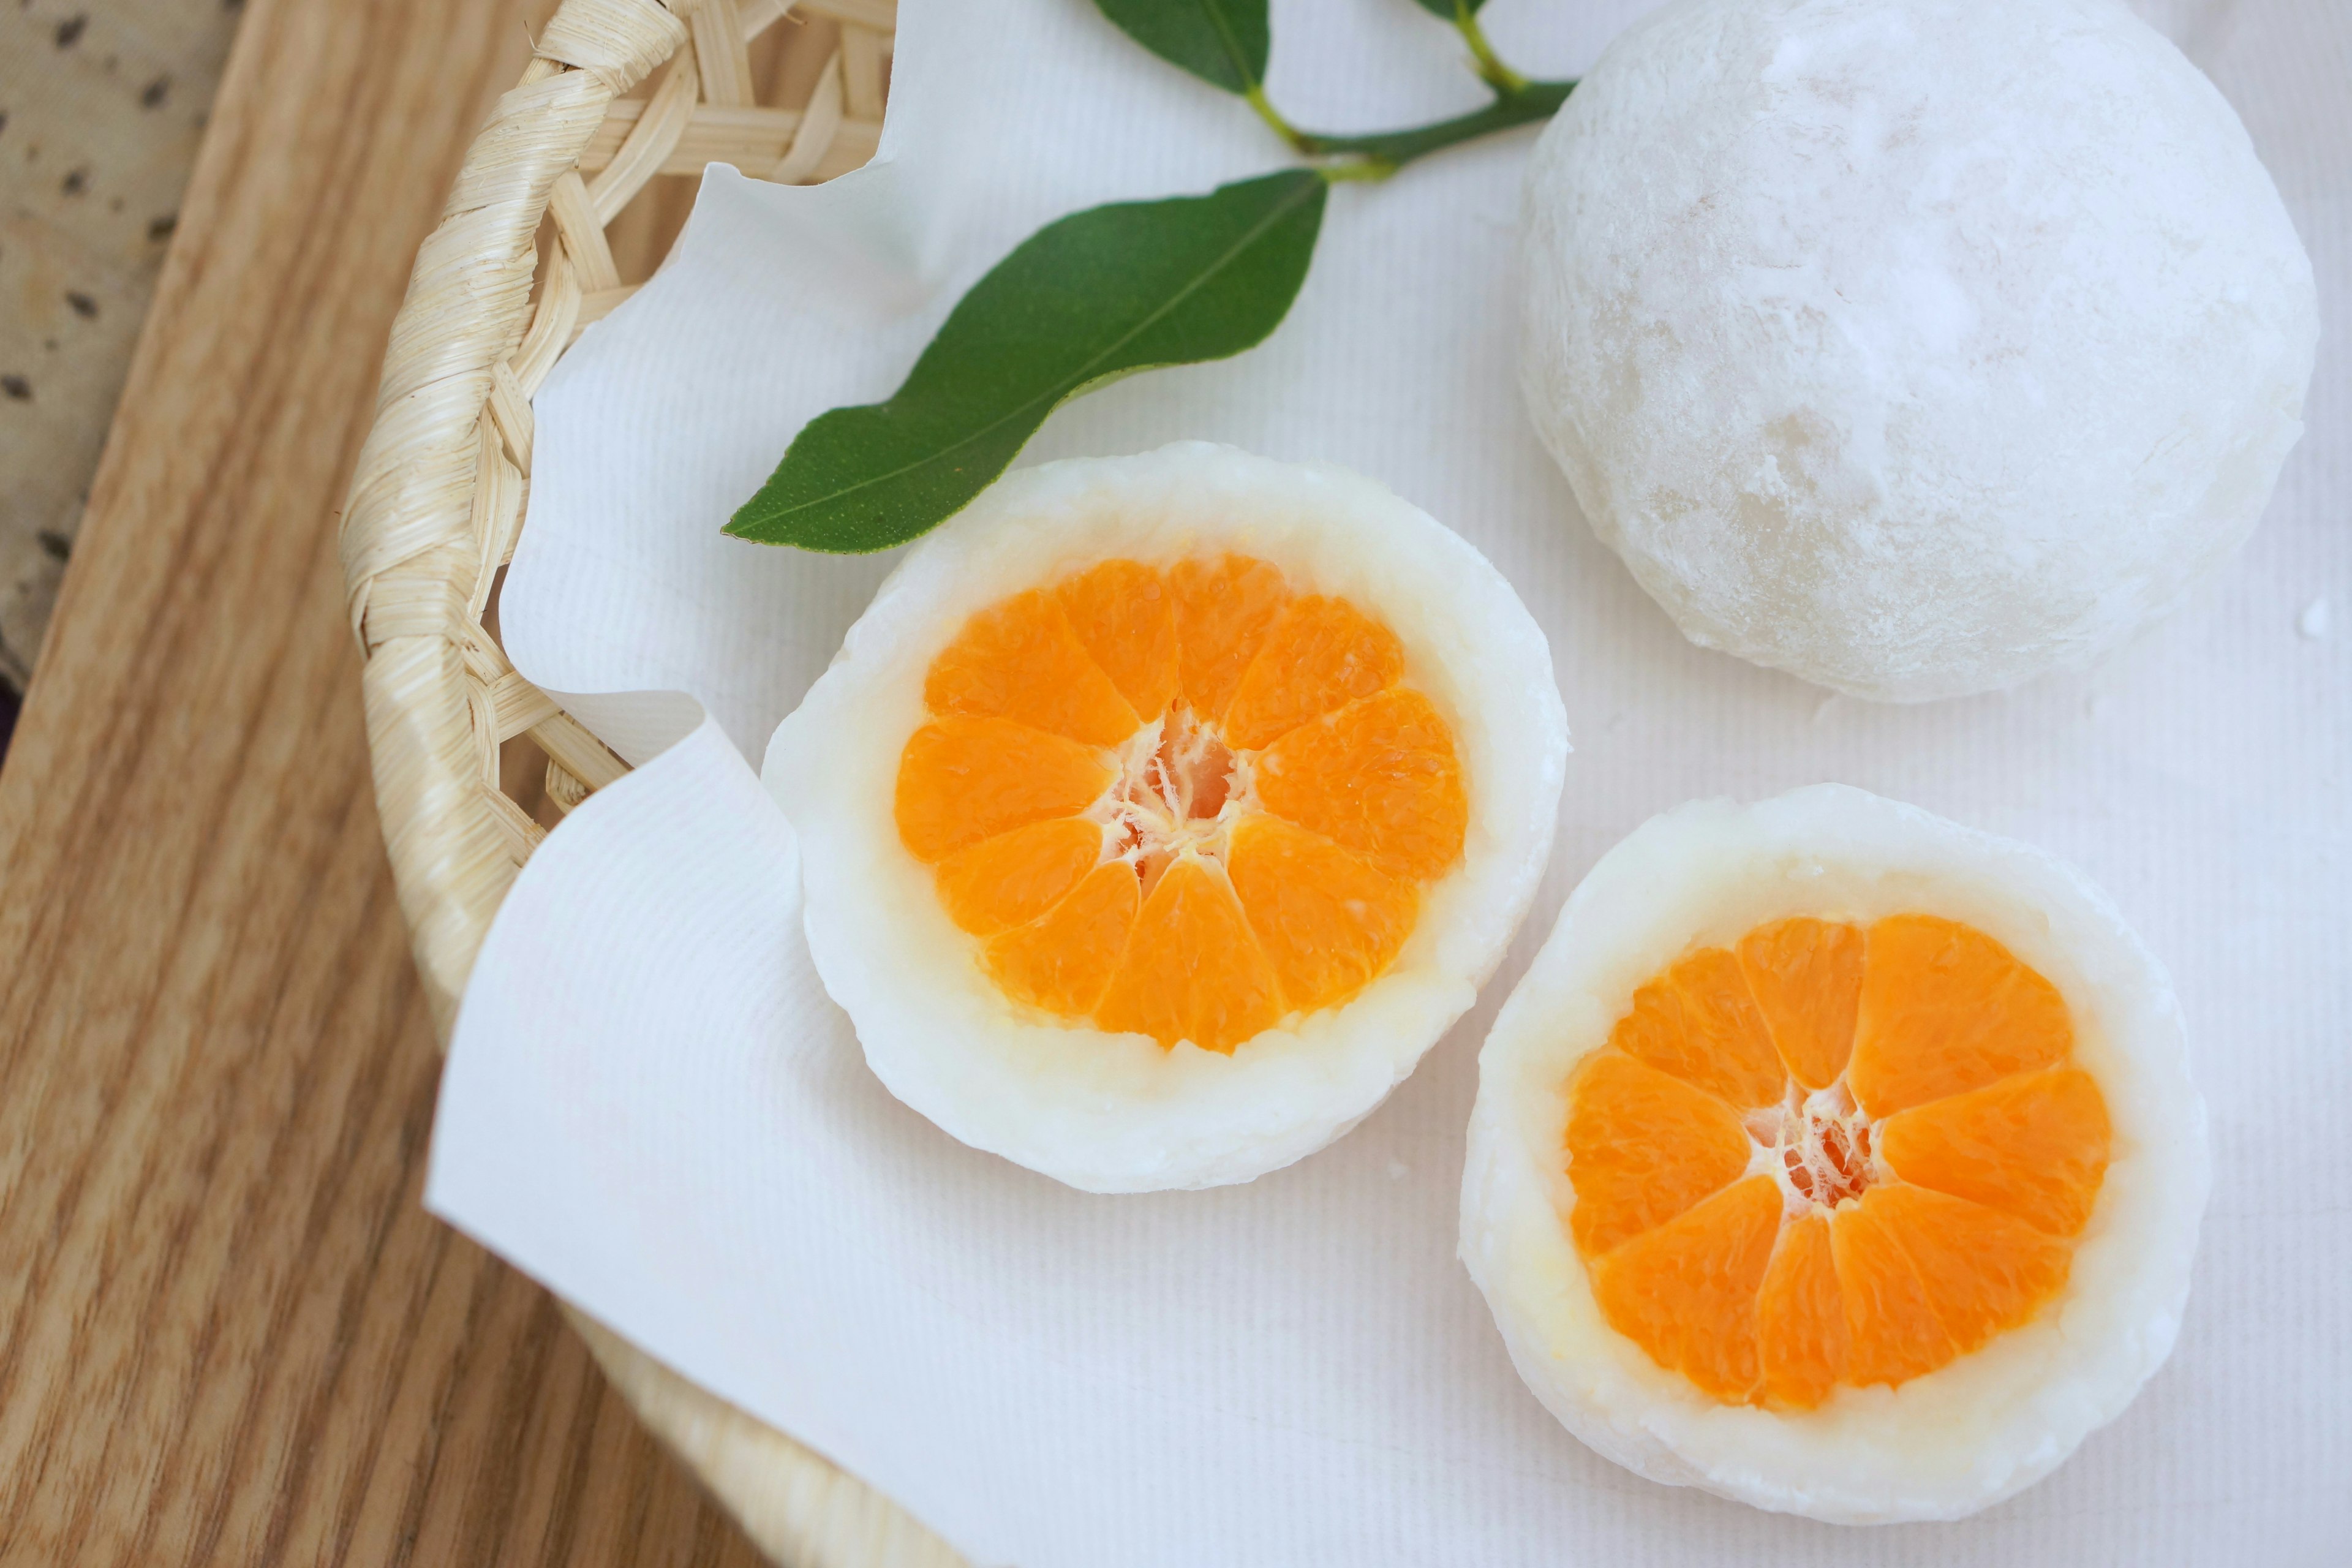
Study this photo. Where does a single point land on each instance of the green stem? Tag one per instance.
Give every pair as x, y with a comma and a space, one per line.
1381, 153
1369, 170
1499, 75
1272, 117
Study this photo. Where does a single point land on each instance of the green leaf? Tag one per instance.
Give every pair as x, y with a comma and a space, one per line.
1222, 42
1098, 295
1446, 10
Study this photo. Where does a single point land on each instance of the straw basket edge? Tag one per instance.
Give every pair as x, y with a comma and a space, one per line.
436, 502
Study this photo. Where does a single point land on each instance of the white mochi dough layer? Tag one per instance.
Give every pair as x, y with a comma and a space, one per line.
1915, 347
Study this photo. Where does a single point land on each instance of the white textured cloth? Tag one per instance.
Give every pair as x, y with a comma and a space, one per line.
651, 1105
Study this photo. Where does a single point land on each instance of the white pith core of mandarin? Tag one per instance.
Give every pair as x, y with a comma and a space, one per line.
1180, 791
1817, 1146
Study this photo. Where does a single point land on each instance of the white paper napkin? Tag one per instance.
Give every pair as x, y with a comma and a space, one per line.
651, 1106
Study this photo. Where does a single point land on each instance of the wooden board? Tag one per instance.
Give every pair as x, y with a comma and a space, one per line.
227, 1332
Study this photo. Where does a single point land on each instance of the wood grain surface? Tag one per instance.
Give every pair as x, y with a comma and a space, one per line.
229, 1333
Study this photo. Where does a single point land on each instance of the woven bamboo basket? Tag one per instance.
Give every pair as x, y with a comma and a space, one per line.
580, 179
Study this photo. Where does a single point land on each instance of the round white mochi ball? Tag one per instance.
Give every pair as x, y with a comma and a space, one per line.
1917, 347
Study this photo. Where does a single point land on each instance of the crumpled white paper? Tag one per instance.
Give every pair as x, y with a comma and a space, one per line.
651, 1106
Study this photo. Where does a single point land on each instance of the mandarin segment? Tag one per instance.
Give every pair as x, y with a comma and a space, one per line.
1013, 878
1020, 660
1062, 961
1222, 608
1686, 1291
1319, 654
1124, 617
1329, 922
1806, 977
1643, 1148
962, 779
1894, 1332
1801, 1327
1698, 1022
2034, 1145
1722, 1022
1194, 969
1984, 1271
1947, 1009
1379, 777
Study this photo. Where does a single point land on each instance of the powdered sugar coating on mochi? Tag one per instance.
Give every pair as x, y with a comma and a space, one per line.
1117, 1113
1917, 347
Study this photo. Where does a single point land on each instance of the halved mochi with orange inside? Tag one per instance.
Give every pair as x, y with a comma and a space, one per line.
1836, 1159
1162, 811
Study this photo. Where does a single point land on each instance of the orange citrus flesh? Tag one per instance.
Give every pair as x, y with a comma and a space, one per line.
1832, 1156
1186, 803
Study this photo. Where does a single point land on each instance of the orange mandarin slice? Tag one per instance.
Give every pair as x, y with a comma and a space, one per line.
1642, 1148
1686, 1291
1224, 609
1022, 661
1983, 1271
1013, 878
1379, 777
963, 780
1946, 1009
1319, 654
1062, 960
1894, 1332
1800, 1326
1125, 617
1698, 1022
1194, 969
1327, 922
1806, 976
2034, 1145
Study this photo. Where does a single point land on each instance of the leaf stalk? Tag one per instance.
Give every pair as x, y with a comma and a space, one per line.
1505, 81
1296, 138
1381, 153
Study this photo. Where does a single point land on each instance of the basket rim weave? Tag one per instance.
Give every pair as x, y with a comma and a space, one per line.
436, 501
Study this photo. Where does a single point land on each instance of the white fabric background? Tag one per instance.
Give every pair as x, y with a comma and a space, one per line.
651, 1106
